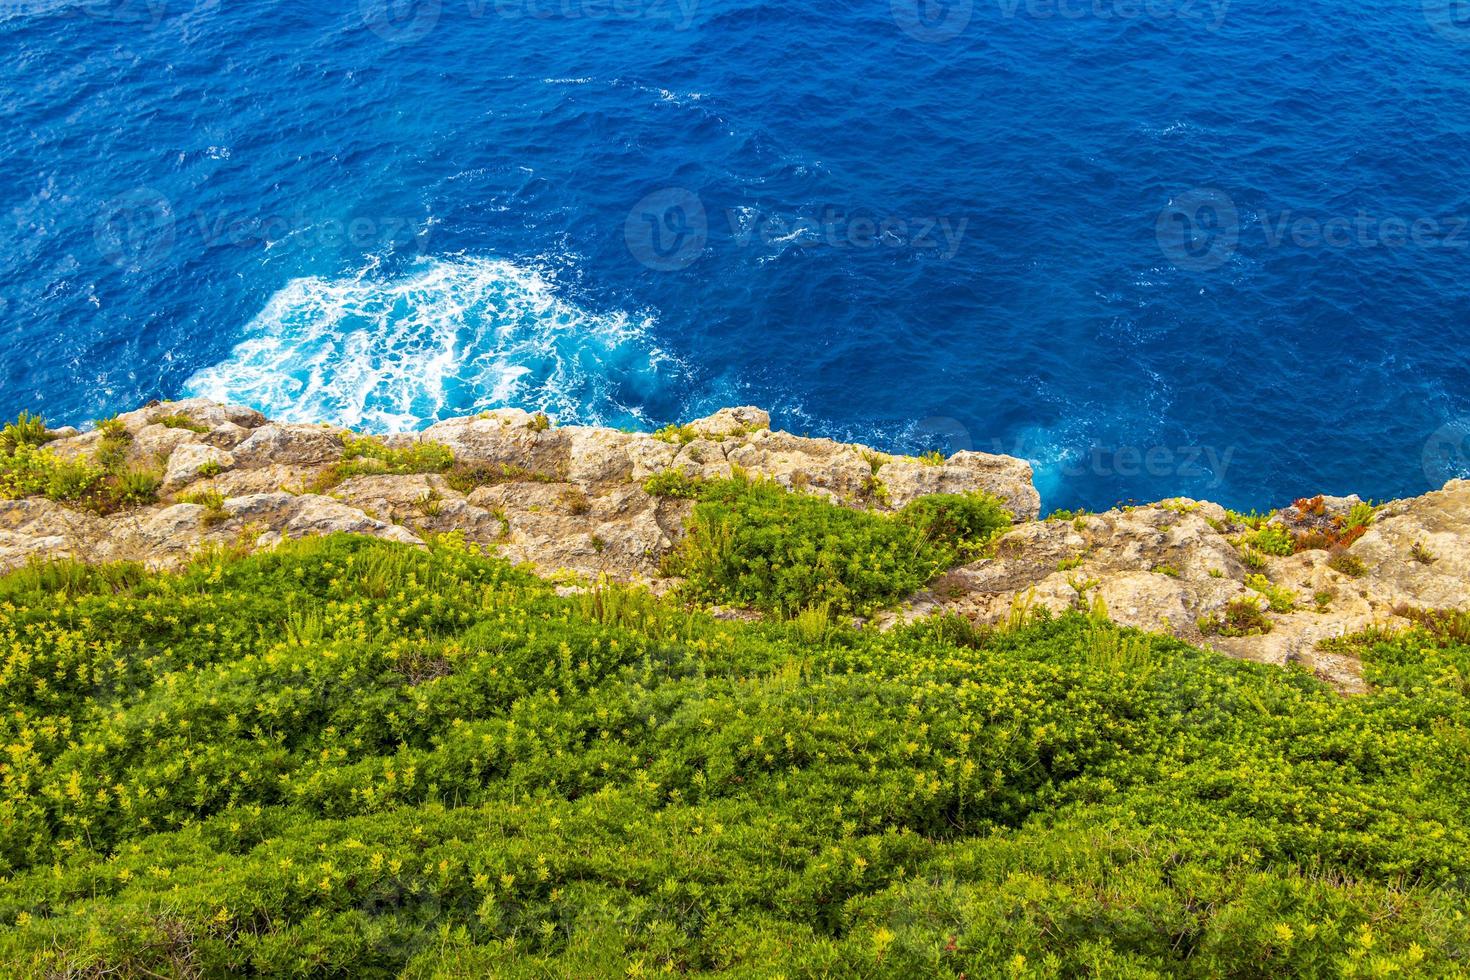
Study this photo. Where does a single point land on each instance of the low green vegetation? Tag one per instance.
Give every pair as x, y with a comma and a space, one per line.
113, 428
673, 484
30, 472
1278, 598
104, 484
353, 758
367, 455
1242, 616
1254, 520
960, 526
1271, 539
213, 502
1347, 564
466, 478
677, 435
179, 420
372, 456
754, 543
26, 432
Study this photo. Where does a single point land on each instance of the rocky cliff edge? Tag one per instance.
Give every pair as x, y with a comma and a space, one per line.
571, 501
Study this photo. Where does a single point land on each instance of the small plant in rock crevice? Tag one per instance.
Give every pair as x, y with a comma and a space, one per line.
1348, 564
1242, 616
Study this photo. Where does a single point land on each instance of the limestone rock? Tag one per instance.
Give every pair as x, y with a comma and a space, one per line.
297, 516
78, 448
202, 411
1002, 476
504, 438
732, 422
570, 501
192, 461
295, 445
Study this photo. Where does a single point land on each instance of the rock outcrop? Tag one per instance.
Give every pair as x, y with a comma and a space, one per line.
564, 499
1177, 566
570, 500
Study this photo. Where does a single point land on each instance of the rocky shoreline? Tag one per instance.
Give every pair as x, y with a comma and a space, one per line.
571, 502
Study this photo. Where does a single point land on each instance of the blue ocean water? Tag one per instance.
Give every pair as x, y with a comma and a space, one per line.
1155, 246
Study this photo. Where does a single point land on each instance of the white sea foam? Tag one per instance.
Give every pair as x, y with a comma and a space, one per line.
451, 337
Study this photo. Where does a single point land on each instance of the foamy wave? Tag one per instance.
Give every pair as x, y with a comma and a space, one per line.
453, 337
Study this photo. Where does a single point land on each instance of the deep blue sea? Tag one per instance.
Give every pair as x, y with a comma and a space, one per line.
1168, 247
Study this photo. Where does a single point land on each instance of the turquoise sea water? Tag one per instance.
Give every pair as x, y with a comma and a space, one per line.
1175, 247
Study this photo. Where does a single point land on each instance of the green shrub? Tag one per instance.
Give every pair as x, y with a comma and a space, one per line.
213, 503
961, 524
352, 758
466, 478
179, 420
1272, 539
371, 456
1252, 559
1360, 515
113, 428
27, 431
673, 484
374, 455
136, 486
1278, 598
677, 435
1241, 617
1250, 519
1348, 564
757, 544
31, 472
